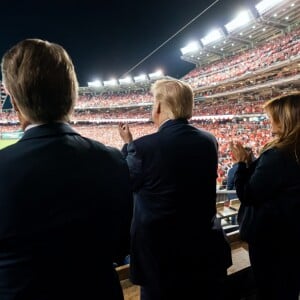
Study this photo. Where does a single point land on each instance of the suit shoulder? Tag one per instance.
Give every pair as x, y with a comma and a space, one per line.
102, 147
208, 135
149, 138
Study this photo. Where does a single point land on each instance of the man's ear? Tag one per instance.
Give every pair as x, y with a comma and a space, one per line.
158, 108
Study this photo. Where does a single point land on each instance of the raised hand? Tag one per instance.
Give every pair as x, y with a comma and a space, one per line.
125, 132
239, 152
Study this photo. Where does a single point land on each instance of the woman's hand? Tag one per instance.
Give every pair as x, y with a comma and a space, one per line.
240, 153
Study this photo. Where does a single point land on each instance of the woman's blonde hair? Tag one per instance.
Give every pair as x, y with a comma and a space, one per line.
176, 95
285, 111
40, 77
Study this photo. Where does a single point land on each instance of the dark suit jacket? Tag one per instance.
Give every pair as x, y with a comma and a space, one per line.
65, 212
272, 186
173, 174
230, 181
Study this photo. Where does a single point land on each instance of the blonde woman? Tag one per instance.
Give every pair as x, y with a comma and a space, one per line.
271, 188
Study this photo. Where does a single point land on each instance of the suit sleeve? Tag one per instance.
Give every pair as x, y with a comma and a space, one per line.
122, 208
230, 179
134, 162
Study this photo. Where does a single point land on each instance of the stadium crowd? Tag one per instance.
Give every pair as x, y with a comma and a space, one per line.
175, 136
280, 49
252, 132
95, 115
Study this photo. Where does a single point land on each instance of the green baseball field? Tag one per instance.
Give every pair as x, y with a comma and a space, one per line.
4, 143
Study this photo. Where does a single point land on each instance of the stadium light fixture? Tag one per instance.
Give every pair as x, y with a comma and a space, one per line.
213, 36
140, 78
266, 5
191, 47
126, 80
111, 82
95, 83
243, 18
156, 74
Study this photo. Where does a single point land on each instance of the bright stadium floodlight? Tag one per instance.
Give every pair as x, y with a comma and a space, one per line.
156, 74
95, 83
243, 18
111, 82
191, 47
213, 36
266, 5
126, 80
140, 78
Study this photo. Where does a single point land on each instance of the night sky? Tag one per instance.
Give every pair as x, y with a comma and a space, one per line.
106, 39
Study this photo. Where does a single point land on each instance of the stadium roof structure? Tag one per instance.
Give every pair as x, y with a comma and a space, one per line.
252, 27
143, 85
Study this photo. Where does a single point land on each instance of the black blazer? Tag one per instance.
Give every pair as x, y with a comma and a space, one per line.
65, 213
272, 186
173, 173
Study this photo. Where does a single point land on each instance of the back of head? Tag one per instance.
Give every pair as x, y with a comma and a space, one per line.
40, 78
175, 95
285, 111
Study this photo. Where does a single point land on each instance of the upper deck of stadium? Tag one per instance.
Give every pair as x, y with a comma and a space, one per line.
252, 27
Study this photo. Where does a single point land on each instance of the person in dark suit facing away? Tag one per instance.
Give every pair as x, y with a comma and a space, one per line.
178, 248
269, 189
66, 204
231, 172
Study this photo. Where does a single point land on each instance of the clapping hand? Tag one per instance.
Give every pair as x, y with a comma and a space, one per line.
240, 153
125, 133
